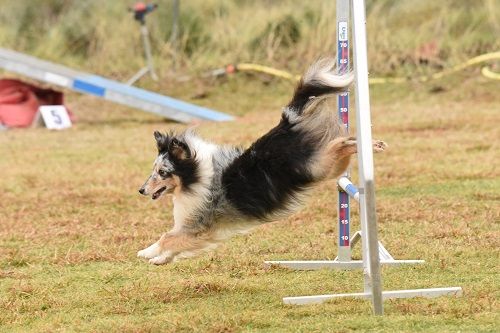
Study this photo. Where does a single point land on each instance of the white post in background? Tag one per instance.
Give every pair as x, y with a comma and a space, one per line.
371, 262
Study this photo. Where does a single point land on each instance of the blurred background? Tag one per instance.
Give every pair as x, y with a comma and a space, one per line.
405, 37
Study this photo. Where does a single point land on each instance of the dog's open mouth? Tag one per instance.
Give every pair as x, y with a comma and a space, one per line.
157, 194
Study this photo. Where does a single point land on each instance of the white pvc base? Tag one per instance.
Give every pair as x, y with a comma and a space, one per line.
427, 293
310, 265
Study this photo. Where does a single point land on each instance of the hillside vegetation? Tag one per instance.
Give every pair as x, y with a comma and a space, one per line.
405, 36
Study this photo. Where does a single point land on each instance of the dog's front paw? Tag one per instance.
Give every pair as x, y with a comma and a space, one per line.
163, 258
149, 252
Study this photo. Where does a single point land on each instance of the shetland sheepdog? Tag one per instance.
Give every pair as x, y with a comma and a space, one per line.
221, 191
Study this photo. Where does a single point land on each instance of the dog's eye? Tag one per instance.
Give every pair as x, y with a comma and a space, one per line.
164, 174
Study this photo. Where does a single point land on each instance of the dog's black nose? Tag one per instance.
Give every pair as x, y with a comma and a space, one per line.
142, 191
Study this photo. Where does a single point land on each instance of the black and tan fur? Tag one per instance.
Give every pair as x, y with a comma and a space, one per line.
220, 191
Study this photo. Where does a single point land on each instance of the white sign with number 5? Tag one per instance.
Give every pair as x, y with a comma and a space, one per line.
55, 116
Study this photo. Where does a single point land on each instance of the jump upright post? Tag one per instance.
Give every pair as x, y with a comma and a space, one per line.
373, 252
344, 205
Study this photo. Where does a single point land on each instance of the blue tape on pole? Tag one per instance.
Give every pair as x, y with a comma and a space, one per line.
351, 190
88, 88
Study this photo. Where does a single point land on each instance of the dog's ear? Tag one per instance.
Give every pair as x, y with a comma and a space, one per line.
179, 149
161, 140
158, 136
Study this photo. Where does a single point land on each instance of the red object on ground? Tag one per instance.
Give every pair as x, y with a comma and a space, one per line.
230, 69
140, 7
19, 102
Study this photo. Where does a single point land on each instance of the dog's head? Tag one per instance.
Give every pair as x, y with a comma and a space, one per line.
175, 168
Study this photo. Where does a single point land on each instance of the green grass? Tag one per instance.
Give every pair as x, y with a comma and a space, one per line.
71, 222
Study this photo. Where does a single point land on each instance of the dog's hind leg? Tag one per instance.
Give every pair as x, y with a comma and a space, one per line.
339, 151
337, 155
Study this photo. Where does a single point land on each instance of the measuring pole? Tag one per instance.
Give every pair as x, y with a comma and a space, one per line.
344, 241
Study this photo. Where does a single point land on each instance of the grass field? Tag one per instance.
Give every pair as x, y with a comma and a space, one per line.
71, 222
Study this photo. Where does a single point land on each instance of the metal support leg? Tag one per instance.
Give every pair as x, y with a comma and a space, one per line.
147, 51
149, 59
371, 260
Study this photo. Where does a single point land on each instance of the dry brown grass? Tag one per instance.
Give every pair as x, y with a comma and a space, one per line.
71, 222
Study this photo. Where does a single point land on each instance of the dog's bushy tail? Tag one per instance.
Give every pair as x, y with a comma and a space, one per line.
311, 110
319, 80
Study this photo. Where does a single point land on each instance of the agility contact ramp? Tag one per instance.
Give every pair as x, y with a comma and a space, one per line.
105, 88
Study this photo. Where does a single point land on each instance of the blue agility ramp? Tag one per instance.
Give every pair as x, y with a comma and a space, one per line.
108, 89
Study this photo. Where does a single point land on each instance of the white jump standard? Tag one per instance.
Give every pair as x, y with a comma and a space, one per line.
373, 252
345, 241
